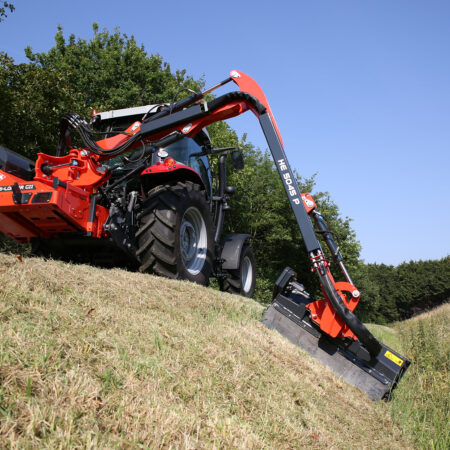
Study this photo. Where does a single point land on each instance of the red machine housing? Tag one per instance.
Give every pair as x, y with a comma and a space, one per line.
46, 209
61, 202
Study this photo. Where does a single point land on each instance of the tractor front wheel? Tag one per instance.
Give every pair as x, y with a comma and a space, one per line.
242, 280
176, 233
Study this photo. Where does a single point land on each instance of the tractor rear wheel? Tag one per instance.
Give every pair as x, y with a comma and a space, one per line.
176, 233
242, 280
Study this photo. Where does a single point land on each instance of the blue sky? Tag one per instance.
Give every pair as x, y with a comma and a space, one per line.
360, 91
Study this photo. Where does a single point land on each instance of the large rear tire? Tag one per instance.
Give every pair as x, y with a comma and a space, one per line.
176, 234
242, 280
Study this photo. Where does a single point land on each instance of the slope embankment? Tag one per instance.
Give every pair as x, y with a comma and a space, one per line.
421, 404
109, 358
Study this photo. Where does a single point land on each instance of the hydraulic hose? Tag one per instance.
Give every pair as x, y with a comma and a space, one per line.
327, 236
77, 123
357, 327
160, 122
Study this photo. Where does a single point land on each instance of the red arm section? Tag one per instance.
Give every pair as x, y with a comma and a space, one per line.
248, 84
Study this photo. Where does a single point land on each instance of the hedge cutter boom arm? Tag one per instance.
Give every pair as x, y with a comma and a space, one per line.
251, 97
363, 361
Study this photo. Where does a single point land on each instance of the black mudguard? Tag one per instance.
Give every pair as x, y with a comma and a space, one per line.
231, 250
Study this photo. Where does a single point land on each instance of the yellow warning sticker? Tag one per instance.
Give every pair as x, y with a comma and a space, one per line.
395, 359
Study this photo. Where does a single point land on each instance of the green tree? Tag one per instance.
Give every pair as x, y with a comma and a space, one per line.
377, 286
32, 100
110, 71
5, 6
396, 293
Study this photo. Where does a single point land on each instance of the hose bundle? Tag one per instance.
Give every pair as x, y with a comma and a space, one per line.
86, 133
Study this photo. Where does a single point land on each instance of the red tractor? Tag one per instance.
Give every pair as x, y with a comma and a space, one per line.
151, 208
142, 197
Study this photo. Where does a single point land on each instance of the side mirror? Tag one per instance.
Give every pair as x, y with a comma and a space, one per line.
237, 159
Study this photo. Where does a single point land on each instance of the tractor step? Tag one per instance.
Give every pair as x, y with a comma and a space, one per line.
376, 376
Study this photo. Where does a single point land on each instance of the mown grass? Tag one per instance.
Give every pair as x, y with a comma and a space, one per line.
421, 403
95, 358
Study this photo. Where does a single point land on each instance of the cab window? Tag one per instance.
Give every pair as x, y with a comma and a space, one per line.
184, 151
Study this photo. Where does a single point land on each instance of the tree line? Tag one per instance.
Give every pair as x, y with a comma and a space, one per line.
397, 293
112, 71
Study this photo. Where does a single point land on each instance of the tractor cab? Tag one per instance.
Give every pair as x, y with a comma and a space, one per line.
185, 151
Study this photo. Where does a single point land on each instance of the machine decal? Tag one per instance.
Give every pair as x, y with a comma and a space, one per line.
288, 181
22, 187
395, 359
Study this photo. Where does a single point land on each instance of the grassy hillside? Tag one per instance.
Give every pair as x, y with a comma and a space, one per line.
422, 401
108, 358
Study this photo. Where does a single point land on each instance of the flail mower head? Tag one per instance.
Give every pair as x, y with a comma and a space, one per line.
295, 315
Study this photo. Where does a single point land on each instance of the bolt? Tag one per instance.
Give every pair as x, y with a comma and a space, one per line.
355, 293
187, 128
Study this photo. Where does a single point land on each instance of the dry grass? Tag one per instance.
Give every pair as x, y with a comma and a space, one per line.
96, 358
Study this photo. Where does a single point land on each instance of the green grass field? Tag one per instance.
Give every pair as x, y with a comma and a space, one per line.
94, 358
422, 401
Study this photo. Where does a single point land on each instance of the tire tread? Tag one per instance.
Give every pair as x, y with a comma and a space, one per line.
157, 233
